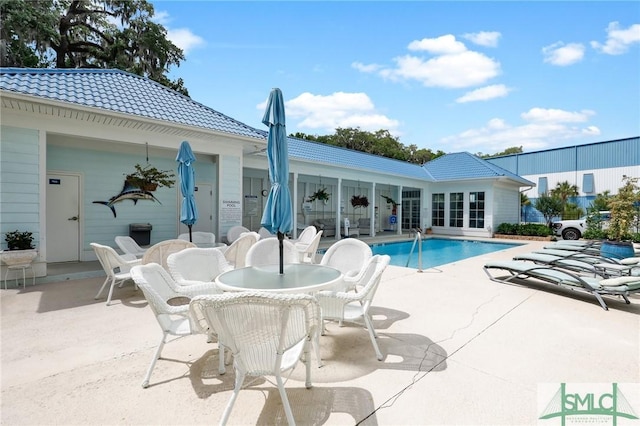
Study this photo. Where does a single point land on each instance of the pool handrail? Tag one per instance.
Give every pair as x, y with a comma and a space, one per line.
418, 238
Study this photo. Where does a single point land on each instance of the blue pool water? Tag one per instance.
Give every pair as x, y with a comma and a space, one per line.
437, 251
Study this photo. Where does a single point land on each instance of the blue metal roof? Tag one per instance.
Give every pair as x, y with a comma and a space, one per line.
463, 165
119, 91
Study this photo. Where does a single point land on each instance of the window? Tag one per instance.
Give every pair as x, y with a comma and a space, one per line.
456, 209
587, 183
437, 213
476, 210
542, 185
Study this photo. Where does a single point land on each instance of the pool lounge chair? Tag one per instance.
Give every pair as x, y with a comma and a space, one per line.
528, 272
569, 263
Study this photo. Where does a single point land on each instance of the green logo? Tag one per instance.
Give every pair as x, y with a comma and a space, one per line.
585, 406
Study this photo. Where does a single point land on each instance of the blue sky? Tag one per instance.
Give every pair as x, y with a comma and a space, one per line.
452, 76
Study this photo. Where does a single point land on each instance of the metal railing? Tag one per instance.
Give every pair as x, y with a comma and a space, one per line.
417, 240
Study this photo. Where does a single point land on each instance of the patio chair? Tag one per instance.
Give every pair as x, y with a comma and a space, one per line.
351, 307
264, 233
267, 252
236, 253
198, 237
169, 302
584, 263
129, 246
529, 273
308, 251
234, 233
266, 333
306, 235
117, 267
349, 256
158, 253
197, 265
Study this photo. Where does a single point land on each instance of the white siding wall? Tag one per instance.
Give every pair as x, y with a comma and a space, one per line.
506, 206
19, 181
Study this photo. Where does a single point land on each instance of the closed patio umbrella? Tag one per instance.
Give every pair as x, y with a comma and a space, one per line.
277, 216
188, 210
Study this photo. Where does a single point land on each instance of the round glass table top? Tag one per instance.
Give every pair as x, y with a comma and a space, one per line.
297, 278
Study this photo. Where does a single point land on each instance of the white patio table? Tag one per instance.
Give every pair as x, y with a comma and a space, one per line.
297, 278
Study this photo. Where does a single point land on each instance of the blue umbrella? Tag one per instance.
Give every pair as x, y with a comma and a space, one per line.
188, 210
278, 215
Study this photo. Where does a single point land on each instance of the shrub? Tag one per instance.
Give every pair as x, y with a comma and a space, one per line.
527, 229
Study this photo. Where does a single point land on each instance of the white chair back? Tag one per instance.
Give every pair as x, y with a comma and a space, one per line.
129, 246
197, 265
116, 267
267, 334
158, 253
236, 253
267, 252
348, 256
234, 233
306, 236
199, 237
264, 233
308, 253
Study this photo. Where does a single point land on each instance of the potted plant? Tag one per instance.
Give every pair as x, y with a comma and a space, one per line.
17, 240
149, 178
389, 200
320, 195
359, 201
623, 214
21, 250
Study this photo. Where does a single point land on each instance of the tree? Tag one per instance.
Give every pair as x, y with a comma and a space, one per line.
381, 142
88, 34
508, 151
563, 191
549, 207
624, 209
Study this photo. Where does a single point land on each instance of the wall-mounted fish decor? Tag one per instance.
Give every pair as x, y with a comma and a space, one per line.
129, 192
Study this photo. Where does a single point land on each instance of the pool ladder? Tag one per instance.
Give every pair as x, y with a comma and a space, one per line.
416, 240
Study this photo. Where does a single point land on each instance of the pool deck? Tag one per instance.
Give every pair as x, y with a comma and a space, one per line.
460, 349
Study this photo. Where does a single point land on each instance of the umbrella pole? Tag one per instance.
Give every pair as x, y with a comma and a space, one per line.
190, 238
281, 249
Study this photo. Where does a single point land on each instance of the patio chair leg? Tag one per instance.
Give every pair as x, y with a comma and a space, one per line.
113, 283
156, 355
234, 396
372, 335
104, 284
285, 400
604, 305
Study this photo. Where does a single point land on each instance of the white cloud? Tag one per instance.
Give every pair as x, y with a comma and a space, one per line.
563, 54
458, 70
452, 65
443, 45
366, 68
184, 39
542, 128
340, 109
485, 93
162, 17
618, 40
484, 38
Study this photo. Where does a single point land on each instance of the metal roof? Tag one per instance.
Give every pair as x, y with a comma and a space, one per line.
122, 92
119, 91
463, 165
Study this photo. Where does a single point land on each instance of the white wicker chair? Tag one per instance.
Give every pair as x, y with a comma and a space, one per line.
234, 233
129, 246
308, 250
267, 252
236, 253
158, 253
306, 235
116, 267
264, 233
351, 307
197, 265
267, 334
198, 237
161, 291
349, 256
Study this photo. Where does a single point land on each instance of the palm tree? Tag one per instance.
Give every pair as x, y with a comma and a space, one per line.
563, 191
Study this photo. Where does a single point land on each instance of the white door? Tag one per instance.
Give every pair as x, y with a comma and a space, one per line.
63, 217
204, 203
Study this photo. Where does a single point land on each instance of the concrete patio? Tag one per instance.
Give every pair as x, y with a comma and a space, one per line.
460, 349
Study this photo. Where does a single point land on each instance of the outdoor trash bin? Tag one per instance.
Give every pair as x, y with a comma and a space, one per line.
141, 233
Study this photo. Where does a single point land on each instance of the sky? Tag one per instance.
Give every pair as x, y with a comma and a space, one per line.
442, 75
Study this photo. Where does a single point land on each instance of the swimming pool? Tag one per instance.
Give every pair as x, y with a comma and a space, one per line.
437, 251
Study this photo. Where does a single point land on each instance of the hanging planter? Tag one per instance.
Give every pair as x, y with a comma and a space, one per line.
359, 201
320, 195
390, 200
149, 178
